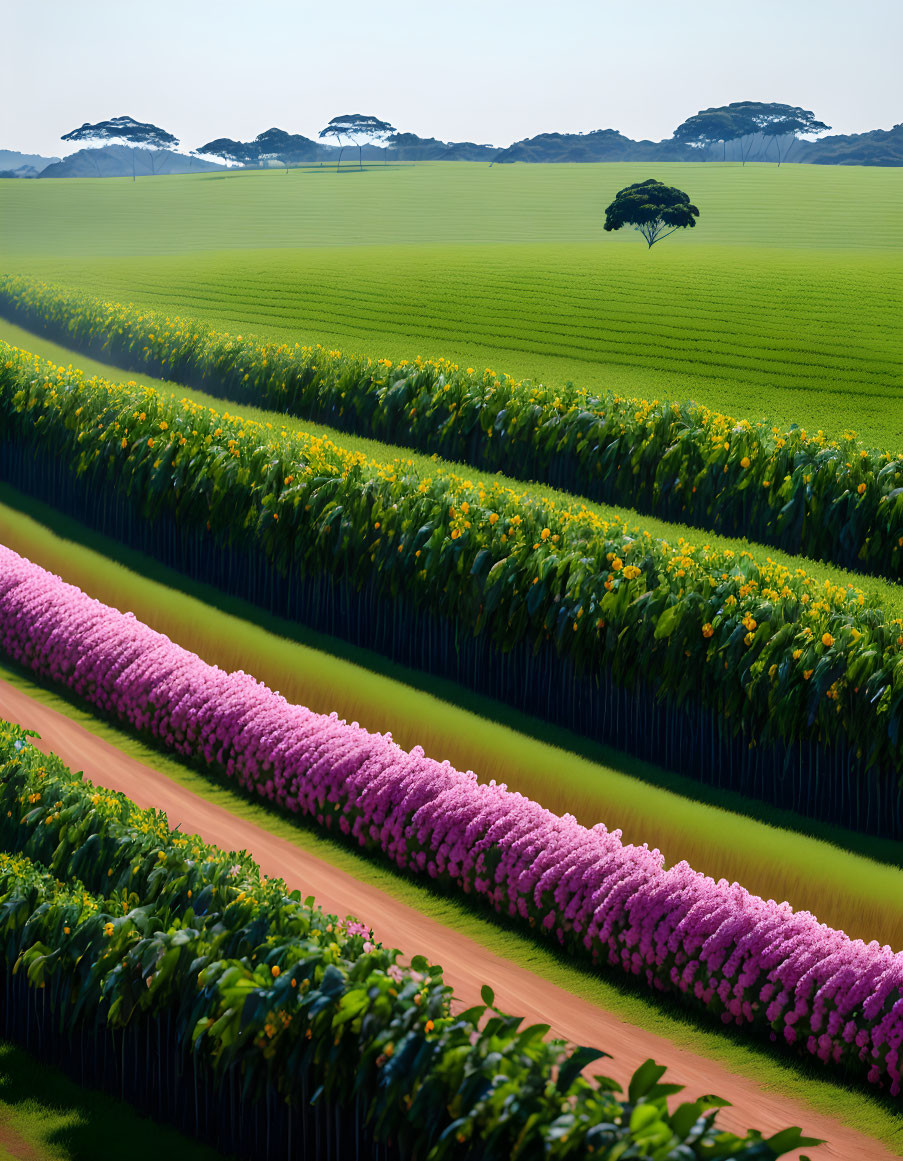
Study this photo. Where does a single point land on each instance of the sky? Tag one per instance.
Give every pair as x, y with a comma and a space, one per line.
491, 71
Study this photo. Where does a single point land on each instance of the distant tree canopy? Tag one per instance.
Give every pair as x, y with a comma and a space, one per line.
236, 152
272, 145
125, 131
357, 129
653, 208
747, 122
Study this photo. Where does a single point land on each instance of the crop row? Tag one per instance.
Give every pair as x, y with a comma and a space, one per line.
761, 650
129, 920
737, 957
833, 500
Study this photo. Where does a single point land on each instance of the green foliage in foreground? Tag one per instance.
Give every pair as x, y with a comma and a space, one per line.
137, 919
863, 1111
769, 650
827, 499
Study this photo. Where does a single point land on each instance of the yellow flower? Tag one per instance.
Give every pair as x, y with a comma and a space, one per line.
275, 970
545, 534
708, 630
744, 463
861, 489
617, 564
827, 640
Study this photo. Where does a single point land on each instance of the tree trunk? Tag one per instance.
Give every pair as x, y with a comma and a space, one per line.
341, 151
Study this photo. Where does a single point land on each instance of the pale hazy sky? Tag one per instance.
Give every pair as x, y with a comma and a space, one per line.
486, 70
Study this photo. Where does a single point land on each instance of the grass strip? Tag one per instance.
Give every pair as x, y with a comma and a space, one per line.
874, 1115
850, 891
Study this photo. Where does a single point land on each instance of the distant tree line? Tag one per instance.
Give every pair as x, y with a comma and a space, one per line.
741, 131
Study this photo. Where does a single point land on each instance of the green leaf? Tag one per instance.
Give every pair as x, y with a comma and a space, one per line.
575, 1064
644, 1079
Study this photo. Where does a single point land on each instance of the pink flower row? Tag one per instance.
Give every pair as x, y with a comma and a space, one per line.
748, 960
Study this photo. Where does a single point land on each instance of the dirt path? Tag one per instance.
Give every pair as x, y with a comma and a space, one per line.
13, 1144
467, 964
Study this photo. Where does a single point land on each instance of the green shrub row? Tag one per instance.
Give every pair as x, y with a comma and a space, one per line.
827, 499
772, 652
140, 919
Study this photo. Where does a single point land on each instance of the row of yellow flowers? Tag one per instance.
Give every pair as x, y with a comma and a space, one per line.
769, 647
829, 499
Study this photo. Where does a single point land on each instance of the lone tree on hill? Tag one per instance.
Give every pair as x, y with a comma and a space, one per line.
356, 129
651, 207
125, 131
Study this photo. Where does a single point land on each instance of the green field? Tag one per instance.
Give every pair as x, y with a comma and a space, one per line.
783, 302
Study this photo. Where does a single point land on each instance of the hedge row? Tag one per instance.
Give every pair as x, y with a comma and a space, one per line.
716, 947
769, 652
807, 494
126, 921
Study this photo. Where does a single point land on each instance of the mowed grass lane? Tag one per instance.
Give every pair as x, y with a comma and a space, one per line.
783, 302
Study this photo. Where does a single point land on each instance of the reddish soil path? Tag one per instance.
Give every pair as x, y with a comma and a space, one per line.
467, 964
15, 1145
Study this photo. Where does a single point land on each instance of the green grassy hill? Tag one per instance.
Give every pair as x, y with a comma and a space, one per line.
782, 302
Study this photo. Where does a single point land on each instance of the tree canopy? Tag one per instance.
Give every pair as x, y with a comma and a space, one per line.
653, 208
356, 129
124, 131
272, 145
746, 121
